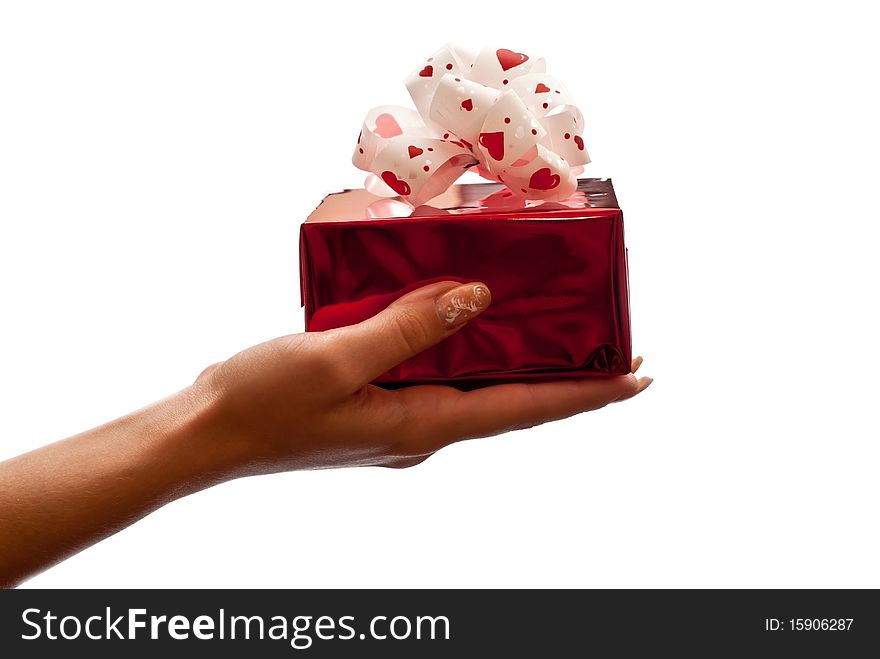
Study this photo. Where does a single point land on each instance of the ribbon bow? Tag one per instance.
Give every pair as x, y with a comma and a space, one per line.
497, 111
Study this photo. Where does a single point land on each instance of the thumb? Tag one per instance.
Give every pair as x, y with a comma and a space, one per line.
409, 325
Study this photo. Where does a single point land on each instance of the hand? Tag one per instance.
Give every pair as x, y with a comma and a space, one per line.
298, 402
304, 401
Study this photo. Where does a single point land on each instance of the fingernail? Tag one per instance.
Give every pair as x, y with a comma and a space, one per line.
459, 305
635, 364
644, 383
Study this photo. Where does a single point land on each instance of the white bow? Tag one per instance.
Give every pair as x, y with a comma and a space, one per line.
497, 110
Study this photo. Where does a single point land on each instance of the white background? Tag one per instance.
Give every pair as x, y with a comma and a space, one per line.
157, 158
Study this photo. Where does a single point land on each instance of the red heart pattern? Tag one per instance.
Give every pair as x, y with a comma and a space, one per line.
387, 126
509, 59
494, 144
544, 179
547, 177
400, 187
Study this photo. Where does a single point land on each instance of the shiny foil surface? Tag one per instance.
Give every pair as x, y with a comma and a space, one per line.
557, 272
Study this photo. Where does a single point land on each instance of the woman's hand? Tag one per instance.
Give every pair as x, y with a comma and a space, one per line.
304, 401
298, 402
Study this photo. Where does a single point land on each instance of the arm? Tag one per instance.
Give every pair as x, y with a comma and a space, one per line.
298, 402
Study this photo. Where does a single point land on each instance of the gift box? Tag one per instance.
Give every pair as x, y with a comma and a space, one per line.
557, 271
548, 245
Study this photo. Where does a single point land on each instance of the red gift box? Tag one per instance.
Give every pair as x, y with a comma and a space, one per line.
557, 272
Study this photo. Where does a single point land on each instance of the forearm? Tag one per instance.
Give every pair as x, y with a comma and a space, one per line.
61, 498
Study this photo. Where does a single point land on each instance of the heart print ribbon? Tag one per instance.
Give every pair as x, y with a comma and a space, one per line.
496, 110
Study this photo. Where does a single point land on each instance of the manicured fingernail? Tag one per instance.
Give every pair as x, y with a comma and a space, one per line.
644, 383
462, 303
635, 364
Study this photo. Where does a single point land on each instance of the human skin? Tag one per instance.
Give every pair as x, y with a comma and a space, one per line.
297, 402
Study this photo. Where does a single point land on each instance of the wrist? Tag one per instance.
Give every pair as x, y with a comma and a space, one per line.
196, 445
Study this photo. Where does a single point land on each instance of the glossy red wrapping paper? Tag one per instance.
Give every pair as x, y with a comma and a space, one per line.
557, 272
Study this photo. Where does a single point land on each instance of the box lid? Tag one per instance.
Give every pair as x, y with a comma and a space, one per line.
479, 199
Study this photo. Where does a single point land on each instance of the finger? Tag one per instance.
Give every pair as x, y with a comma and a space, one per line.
440, 415
408, 326
643, 383
635, 364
